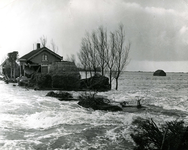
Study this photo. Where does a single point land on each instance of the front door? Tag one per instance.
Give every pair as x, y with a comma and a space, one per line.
44, 69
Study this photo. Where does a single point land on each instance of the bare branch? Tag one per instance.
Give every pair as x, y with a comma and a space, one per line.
108, 54
43, 40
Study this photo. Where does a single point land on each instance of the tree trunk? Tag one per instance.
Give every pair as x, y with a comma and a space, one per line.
85, 70
110, 80
10, 73
90, 72
86, 73
95, 70
14, 74
110, 86
116, 83
102, 71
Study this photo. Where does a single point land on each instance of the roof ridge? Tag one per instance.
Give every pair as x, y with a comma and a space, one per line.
36, 51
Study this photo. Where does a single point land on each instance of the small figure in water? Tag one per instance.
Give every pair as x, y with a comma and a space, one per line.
138, 104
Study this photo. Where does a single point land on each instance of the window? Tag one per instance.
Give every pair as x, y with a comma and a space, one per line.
44, 57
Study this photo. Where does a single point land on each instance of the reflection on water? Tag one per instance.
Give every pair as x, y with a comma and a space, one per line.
29, 120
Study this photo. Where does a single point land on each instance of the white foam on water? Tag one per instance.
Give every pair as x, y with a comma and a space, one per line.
172, 103
18, 144
11, 121
43, 120
47, 119
123, 129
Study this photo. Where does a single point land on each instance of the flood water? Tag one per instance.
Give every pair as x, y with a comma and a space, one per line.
31, 121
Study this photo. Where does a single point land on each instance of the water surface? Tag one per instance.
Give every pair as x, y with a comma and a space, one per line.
31, 121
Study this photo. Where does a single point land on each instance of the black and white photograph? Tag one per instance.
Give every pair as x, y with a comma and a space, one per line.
93, 75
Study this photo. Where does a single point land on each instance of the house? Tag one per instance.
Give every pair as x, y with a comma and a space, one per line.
38, 60
44, 69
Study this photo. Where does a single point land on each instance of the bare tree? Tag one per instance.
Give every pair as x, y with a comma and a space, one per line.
43, 40
122, 53
93, 56
83, 56
111, 55
89, 53
95, 46
101, 46
54, 47
71, 58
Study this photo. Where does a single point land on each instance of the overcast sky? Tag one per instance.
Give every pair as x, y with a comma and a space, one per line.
157, 29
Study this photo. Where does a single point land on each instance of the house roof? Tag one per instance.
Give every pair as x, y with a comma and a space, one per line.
33, 53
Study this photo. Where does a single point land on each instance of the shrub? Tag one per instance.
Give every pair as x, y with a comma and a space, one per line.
44, 81
91, 100
66, 82
147, 135
97, 102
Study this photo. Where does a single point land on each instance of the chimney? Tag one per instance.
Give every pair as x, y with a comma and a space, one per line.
38, 45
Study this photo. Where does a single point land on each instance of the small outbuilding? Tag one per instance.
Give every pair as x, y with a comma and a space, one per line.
159, 73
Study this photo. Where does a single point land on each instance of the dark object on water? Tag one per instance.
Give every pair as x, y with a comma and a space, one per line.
125, 104
97, 103
159, 73
96, 82
138, 104
60, 95
68, 99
